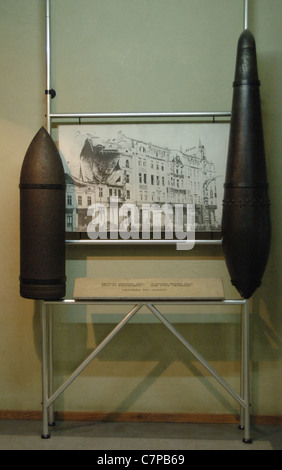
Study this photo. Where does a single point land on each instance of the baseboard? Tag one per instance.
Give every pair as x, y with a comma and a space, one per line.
138, 417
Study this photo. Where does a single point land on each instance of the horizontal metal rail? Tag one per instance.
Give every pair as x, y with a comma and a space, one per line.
142, 115
145, 302
142, 242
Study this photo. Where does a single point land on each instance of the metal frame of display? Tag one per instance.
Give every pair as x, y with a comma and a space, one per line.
48, 394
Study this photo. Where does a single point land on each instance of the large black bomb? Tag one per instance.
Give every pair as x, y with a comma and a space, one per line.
246, 226
42, 221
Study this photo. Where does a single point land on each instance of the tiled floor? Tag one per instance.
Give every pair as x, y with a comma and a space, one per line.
26, 435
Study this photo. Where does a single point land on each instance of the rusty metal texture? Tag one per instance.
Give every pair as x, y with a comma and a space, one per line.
246, 228
42, 221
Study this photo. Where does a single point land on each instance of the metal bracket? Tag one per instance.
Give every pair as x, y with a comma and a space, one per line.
51, 92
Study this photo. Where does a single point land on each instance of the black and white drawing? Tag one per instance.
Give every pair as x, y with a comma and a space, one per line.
178, 163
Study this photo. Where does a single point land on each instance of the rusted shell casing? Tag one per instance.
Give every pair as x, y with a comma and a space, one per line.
42, 221
246, 229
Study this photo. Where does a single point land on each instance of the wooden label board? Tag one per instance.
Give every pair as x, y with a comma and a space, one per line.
86, 288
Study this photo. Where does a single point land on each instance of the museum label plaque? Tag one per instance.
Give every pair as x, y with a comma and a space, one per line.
148, 289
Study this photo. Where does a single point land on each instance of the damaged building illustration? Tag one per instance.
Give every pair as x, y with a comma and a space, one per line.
137, 171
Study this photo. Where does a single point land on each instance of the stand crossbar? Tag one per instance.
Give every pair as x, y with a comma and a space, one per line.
49, 396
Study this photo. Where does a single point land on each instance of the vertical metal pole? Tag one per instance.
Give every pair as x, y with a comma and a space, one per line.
48, 74
246, 359
246, 14
242, 369
51, 420
47, 360
45, 434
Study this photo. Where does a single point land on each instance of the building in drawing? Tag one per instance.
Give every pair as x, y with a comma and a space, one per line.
139, 172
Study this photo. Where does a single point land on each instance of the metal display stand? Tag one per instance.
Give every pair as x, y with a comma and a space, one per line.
49, 395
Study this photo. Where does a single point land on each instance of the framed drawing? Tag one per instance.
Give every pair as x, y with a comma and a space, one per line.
112, 167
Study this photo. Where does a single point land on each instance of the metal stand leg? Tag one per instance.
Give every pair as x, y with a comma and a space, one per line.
45, 434
246, 368
51, 421
242, 370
